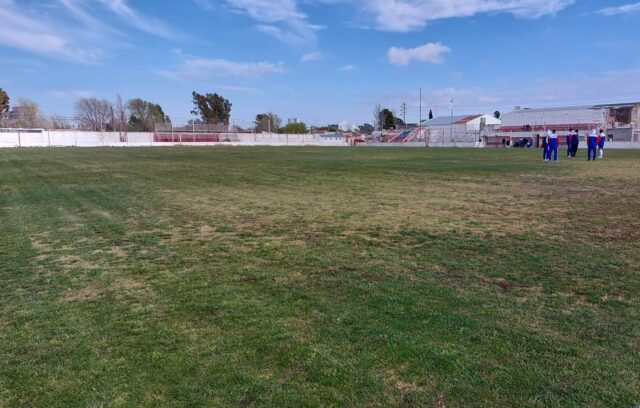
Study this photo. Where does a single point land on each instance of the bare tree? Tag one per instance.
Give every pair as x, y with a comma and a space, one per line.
121, 114
29, 115
60, 122
377, 116
93, 113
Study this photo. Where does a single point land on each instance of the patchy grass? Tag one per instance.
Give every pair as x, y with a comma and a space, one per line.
318, 277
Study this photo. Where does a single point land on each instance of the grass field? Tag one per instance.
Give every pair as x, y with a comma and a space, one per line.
264, 277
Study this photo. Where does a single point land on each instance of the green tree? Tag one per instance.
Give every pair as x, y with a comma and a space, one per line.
144, 115
366, 129
496, 114
430, 114
212, 108
388, 119
294, 128
4, 101
267, 122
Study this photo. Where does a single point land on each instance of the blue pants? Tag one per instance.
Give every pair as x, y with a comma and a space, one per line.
592, 149
553, 148
545, 151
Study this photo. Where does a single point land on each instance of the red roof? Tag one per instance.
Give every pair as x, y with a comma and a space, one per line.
467, 119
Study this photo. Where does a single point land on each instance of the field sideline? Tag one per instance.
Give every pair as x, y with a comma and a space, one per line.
291, 277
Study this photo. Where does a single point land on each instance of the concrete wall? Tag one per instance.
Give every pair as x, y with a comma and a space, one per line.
95, 139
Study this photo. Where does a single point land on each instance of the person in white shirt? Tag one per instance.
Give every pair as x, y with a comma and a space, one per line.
553, 146
601, 139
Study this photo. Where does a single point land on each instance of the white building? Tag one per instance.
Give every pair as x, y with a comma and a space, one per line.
469, 123
458, 129
620, 121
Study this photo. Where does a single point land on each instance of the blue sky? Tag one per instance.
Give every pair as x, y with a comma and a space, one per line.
322, 61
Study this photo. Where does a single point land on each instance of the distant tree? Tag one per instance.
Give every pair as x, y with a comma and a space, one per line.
212, 108
93, 113
120, 114
60, 122
267, 122
294, 128
4, 101
378, 119
496, 114
388, 119
144, 115
29, 115
333, 128
430, 114
397, 122
366, 129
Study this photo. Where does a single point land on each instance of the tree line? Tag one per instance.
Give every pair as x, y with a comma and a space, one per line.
139, 115
99, 114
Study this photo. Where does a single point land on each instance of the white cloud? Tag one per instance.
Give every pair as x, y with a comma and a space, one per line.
72, 30
280, 19
625, 9
312, 56
347, 126
194, 68
348, 68
37, 35
432, 53
152, 26
239, 89
411, 15
71, 94
205, 4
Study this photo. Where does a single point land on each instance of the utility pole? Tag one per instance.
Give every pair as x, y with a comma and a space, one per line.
403, 109
420, 122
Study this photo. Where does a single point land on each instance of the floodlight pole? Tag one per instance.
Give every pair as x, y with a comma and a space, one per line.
451, 125
420, 122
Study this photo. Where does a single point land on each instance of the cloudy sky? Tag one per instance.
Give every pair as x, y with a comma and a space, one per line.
322, 60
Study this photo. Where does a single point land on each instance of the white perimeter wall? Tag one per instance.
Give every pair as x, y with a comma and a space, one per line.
95, 139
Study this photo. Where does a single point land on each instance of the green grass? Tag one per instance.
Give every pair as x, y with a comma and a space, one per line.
318, 277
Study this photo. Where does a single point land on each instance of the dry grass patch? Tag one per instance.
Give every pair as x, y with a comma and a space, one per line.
85, 294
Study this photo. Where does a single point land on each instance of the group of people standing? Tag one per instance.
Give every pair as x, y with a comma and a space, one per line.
594, 141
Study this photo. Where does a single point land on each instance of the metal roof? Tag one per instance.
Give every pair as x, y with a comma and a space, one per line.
578, 107
446, 120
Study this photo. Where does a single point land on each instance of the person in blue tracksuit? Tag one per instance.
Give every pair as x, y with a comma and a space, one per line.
592, 144
570, 142
545, 147
601, 140
553, 146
